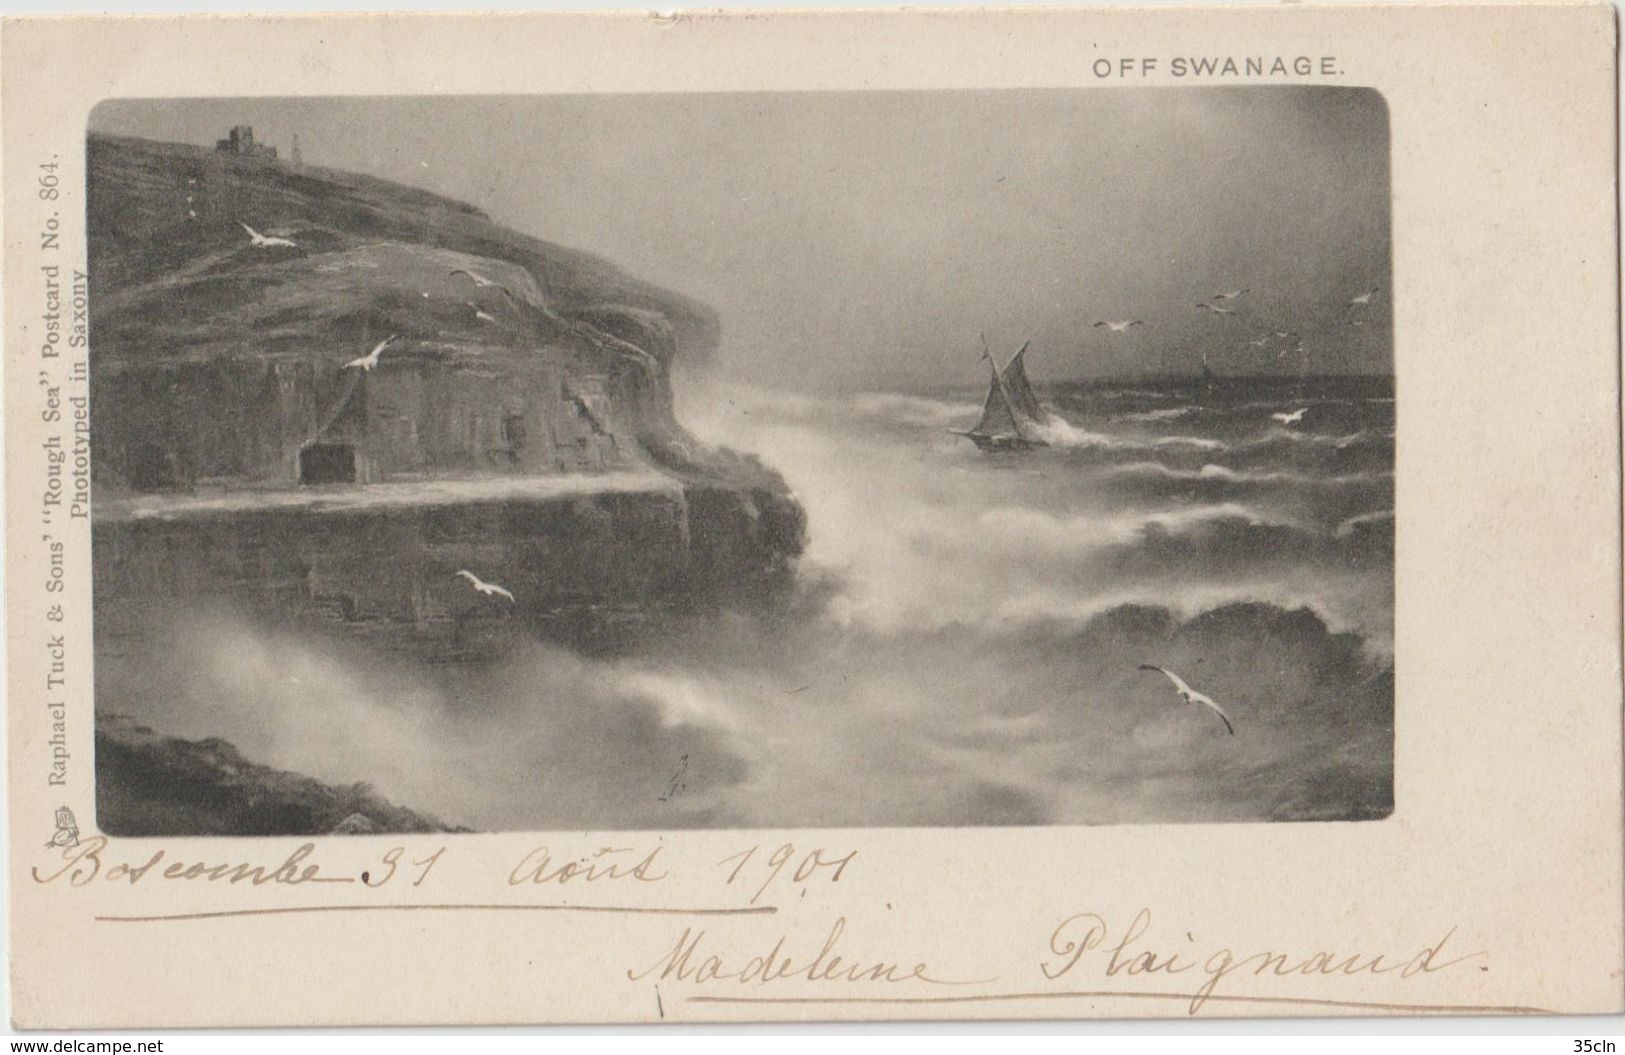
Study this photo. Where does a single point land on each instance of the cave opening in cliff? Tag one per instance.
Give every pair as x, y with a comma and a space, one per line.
327, 463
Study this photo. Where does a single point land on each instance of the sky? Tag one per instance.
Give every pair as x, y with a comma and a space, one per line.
860, 240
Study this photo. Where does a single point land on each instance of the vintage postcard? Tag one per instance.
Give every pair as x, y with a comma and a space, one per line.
978, 514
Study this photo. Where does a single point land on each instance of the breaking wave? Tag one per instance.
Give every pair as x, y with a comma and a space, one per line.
1211, 472
1059, 432
964, 649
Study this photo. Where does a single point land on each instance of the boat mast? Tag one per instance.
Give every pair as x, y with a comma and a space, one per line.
998, 380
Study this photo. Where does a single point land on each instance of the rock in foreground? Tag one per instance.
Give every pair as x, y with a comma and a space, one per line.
149, 784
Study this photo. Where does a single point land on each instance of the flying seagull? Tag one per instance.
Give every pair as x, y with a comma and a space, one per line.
1231, 296
479, 314
1292, 418
490, 589
264, 241
1119, 327
479, 280
1216, 310
482, 282
1364, 298
1190, 695
370, 360
1261, 342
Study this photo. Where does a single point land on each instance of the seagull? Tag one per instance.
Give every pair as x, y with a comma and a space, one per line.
1283, 336
192, 213
264, 242
1364, 298
490, 589
1261, 342
370, 360
479, 314
1230, 296
482, 282
479, 280
1216, 310
1190, 695
1119, 327
1292, 418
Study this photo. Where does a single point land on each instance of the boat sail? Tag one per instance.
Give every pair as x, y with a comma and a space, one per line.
1010, 414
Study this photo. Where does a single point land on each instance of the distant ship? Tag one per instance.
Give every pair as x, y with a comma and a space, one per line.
1010, 414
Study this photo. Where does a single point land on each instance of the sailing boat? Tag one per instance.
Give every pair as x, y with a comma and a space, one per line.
1010, 414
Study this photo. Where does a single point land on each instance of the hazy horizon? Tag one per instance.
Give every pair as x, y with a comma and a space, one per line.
856, 240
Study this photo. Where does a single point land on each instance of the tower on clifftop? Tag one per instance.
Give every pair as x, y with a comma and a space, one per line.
240, 141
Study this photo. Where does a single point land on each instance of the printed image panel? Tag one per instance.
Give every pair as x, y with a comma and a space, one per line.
823, 459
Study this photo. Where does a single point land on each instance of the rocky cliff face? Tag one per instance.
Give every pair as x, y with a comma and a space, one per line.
513, 421
518, 420
228, 293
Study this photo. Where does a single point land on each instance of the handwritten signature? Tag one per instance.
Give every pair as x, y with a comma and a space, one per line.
1130, 955
698, 959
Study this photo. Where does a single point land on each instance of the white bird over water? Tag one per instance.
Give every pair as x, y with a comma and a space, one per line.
1261, 342
1364, 298
1119, 327
1216, 310
265, 241
490, 589
370, 360
1232, 295
1292, 418
479, 280
483, 283
1190, 695
483, 316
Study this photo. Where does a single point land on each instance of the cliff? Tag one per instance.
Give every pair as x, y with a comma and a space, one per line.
250, 462
518, 420
218, 359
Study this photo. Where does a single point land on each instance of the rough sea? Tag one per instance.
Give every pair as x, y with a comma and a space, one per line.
964, 648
